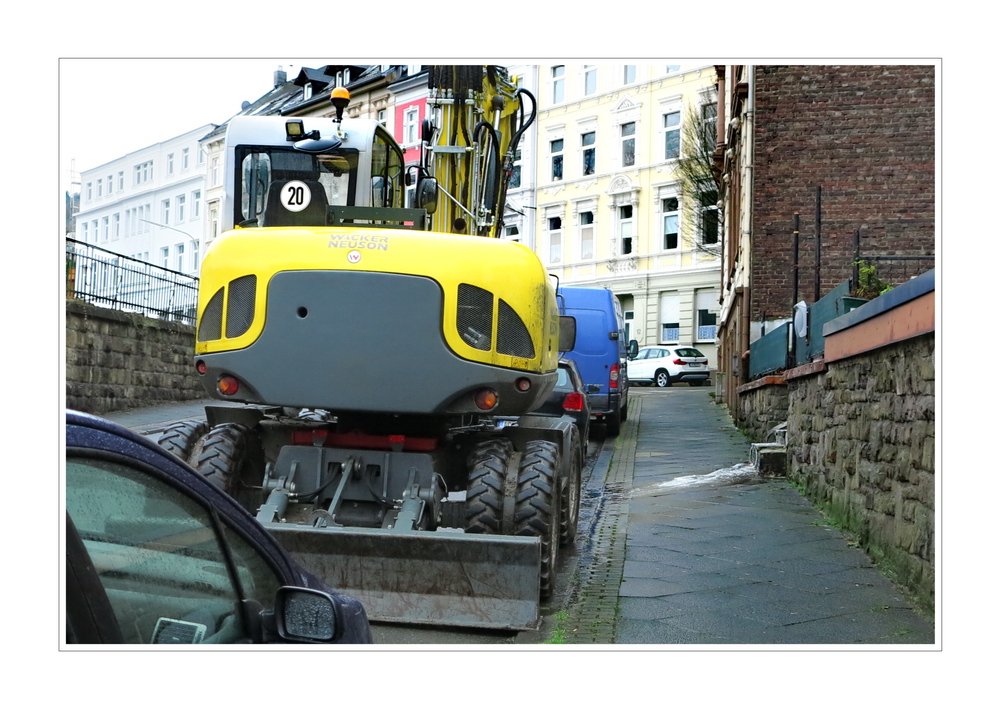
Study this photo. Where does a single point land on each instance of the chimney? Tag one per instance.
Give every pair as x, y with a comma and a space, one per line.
280, 77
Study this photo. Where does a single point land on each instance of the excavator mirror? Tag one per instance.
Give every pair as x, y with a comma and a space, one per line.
567, 333
426, 197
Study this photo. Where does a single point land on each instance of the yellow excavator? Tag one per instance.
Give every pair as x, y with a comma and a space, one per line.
385, 358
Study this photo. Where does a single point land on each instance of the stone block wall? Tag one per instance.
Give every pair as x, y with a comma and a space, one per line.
763, 406
117, 360
861, 440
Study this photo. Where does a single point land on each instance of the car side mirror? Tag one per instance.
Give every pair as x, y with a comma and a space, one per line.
567, 333
633, 349
306, 615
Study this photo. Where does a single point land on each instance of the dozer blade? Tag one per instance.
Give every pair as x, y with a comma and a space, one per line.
440, 578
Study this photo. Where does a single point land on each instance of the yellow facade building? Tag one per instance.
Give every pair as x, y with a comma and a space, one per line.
611, 204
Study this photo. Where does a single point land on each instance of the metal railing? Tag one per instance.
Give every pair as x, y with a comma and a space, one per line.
104, 278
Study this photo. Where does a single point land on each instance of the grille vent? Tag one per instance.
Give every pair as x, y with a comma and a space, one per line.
240, 311
513, 337
211, 320
475, 316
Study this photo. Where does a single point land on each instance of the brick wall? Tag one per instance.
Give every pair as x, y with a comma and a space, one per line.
117, 360
865, 134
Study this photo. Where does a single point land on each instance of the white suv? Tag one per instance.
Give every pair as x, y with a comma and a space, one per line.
667, 364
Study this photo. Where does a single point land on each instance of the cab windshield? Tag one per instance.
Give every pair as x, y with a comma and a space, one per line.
327, 179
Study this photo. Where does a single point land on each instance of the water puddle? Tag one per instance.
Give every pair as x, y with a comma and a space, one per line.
731, 475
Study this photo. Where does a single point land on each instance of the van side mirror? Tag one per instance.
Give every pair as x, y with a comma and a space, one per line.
567, 333
633, 349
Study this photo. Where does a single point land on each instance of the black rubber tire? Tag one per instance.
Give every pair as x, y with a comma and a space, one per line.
487, 466
662, 378
229, 456
536, 508
569, 495
181, 437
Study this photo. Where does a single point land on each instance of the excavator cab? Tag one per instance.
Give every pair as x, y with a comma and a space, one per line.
284, 180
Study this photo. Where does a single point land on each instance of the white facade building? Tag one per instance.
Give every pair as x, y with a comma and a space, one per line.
149, 204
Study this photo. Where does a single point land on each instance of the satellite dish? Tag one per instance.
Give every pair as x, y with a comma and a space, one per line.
800, 319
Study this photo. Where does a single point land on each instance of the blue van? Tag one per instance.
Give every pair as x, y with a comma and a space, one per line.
600, 353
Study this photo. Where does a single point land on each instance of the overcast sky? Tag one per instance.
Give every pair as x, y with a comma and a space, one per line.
111, 107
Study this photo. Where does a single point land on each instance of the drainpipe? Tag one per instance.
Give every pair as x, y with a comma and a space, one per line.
748, 187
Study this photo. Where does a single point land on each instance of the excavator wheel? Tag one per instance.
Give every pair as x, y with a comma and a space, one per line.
484, 492
536, 508
181, 437
229, 456
569, 497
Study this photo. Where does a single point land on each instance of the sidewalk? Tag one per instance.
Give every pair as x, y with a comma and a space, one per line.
715, 554
150, 421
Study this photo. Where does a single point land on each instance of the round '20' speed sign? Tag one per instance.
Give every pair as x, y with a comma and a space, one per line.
295, 196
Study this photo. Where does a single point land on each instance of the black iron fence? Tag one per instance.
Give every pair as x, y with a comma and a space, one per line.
112, 280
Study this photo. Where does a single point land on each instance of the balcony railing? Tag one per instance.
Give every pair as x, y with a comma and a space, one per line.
104, 278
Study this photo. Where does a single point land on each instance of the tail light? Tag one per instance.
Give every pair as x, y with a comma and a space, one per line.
573, 402
678, 361
228, 385
613, 379
486, 400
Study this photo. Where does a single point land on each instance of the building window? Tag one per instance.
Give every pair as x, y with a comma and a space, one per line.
85, 231
165, 212
215, 172
181, 199
105, 229
670, 317
307, 92
512, 233
672, 135
555, 240
556, 148
381, 116
515, 171
179, 252
558, 84
586, 235
706, 304
100, 187
111, 185
116, 226
671, 222
629, 75
625, 228
90, 191
589, 79
194, 256
170, 163
710, 218
121, 180
165, 257
628, 144
196, 204
185, 158
410, 121
709, 112
143, 172
589, 152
